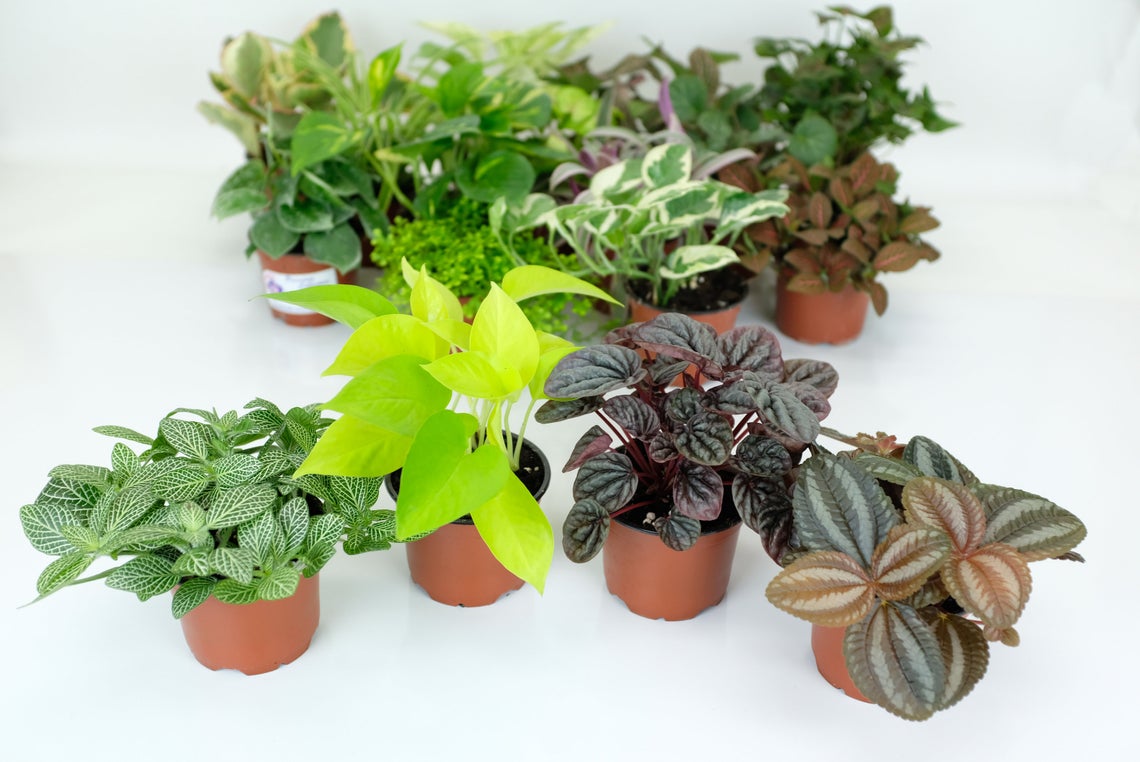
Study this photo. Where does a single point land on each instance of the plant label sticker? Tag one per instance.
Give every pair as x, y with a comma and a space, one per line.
279, 283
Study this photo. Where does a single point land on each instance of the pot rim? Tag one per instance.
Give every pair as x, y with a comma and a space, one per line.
734, 305
623, 519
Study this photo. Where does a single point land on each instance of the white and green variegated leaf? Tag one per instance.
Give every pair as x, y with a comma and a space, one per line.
273, 464
234, 592
83, 539
295, 523
261, 536
178, 480
122, 432
146, 576
887, 469
742, 210
97, 476
1037, 528
658, 198
128, 507
62, 572
838, 506
191, 594
42, 525
616, 181
666, 164
188, 437
965, 653
278, 584
235, 469
931, 459
195, 563
233, 563
687, 261
238, 505
895, 660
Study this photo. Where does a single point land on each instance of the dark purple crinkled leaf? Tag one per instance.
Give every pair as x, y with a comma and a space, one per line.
735, 398
753, 348
698, 492
784, 412
814, 372
682, 404
585, 530
664, 369
607, 478
766, 508
553, 411
661, 448
622, 335
677, 531
593, 371
594, 442
680, 337
762, 456
638, 418
706, 439
812, 397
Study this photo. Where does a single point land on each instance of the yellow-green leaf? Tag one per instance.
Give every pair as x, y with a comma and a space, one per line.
517, 532
505, 336
383, 337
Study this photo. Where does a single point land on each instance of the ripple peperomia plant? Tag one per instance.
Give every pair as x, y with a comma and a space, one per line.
920, 561
675, 450
209, 506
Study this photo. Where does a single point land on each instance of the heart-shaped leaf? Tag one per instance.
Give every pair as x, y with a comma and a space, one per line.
638, 418
594, 371
594, 442
517, 532
585, 530
698, 491
706, 438
827, 588
677, 531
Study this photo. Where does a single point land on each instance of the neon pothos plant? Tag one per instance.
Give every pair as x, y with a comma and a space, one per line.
676, 450
409, 375
922, 562
209, 506
647, 219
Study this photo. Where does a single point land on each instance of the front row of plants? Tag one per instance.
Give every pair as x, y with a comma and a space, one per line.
906, 564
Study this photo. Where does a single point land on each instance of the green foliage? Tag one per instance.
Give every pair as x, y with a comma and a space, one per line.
922, 578
210, 506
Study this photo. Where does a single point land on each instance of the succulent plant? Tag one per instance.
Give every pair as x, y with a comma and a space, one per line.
919, 560
676, 450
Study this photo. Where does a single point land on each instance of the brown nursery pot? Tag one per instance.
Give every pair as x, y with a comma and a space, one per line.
827, 645
453, 565
658, 582
254, 637
721, 320
827, 318
292, 272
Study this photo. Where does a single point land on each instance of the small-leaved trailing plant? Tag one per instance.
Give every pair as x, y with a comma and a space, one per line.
411, 374
843, 227
674, 451
842, 96
209, 506
648, 222
919, 560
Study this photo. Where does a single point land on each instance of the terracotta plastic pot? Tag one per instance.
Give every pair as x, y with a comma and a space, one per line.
254, 637
454, 566
827, 645
658, 582
292, 272
721, 320
827, 318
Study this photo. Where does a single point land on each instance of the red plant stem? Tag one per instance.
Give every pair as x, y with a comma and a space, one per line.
744, 420
629, 507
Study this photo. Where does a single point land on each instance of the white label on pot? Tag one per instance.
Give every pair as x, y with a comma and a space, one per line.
279, 283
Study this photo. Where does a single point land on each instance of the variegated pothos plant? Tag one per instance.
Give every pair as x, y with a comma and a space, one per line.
209, 506
919, 560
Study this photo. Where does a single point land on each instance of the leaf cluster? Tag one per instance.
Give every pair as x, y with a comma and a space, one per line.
676, 450
209, 507
919, 560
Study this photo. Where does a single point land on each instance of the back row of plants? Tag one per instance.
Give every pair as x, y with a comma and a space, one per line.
656, 179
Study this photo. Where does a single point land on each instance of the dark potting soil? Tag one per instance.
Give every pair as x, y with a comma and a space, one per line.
714, 290
533, 472
635, 518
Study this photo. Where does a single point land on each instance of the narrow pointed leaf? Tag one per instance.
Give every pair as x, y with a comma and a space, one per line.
62, 572
826, 588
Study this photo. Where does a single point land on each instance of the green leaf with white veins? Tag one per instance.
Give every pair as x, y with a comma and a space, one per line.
62, 572
278, 584
146, 576
262, 536
42, 524
687, 261
295, 522
517, 532
235, 563
189, 595
238, 505
189, 437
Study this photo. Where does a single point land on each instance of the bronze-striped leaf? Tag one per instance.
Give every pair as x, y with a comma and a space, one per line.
932, 459
1036, 527
993, 582
965, 653
895, 659
948, 506
827, 588
907, 559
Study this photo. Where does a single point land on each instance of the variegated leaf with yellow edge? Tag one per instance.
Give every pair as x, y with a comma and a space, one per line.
895, 659
827, 588
948, 506
993, 582
907, 559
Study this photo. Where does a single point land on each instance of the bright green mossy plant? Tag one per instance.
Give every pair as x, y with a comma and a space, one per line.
210, 506
410, 376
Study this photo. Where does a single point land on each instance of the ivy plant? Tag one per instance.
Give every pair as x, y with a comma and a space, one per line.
676, 450
411, 375
922, 563
209, 506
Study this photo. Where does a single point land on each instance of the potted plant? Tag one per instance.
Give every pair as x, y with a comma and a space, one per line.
908, 566
844, 227
645, 222
664, 485
209, 510
462, 474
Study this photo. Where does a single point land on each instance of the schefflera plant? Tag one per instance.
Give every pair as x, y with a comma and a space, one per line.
922, 562
209, 506
400, 409
676, 450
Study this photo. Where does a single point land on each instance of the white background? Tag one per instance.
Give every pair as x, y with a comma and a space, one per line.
120, 299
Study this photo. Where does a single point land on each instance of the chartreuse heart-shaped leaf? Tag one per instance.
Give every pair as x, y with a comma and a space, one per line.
949, 506
827, 588
585, 530
385, 337
908, 557
529, 281
442, 481
505, 336
472, 374
965, 653
431, 301
993, 582
516, 530
351, 447
895, 659
351, 305
1036, 527
395, 394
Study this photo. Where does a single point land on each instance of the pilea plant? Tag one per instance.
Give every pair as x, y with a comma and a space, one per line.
674, 451
922, 562
409, 375
208, 506
843, 227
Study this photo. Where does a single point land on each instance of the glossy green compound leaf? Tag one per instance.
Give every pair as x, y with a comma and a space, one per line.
895, 659
517, 532
191, 594
146, 576
345, 303
238, 505
838, 506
